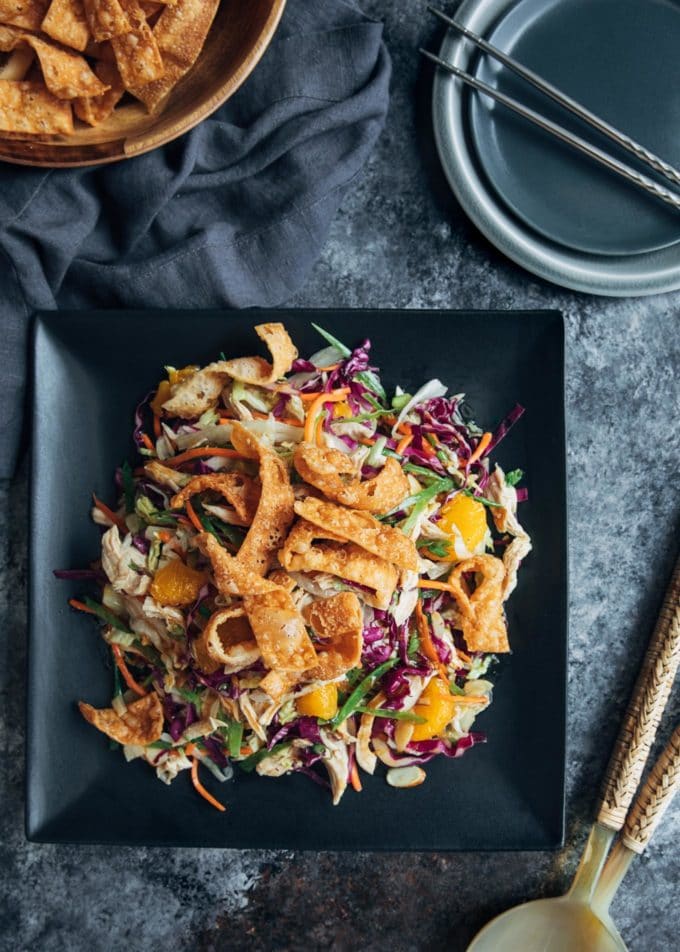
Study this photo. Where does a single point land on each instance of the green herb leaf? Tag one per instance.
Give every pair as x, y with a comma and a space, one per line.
438, 548
391, 715
513, 477
234, 738
128, 486
333, 341
358, 694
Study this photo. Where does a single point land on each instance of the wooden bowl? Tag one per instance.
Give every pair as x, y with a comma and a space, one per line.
240, 34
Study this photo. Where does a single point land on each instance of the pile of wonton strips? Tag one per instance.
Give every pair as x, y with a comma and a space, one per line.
82, 56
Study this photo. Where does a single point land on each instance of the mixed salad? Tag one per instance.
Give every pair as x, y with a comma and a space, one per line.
302, 572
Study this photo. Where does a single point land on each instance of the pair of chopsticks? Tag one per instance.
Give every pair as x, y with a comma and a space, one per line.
652, 161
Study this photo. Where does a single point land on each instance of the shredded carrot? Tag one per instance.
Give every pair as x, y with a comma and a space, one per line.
74, 603
479, 449
318, 429
366, 441
157, 425
328, 369
199, 788
405, 441
123, 668
190, 749
312, 419
110, 514
442, 586
463, 657
390, 420
191, 513
164, 535
289, 421
470, 699
426, 642
199, 451
354, 777
146, 440
310, 396
246, 751
428, 449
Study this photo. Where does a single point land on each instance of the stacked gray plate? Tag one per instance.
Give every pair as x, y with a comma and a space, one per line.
545, 206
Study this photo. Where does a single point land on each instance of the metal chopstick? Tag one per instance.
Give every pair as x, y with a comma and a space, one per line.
581, 145
621, 139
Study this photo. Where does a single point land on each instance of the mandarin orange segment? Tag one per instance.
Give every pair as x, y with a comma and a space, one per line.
176, 584
437, 705
321, 703
467, 516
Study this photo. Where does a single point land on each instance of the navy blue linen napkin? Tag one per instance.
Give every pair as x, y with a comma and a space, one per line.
232, 214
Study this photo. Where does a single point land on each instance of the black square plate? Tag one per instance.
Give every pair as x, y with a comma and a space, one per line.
90, 371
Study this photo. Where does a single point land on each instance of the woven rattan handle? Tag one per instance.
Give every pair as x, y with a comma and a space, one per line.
655, 797
644, 711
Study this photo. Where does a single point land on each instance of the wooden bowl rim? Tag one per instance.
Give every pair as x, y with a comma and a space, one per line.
146, 142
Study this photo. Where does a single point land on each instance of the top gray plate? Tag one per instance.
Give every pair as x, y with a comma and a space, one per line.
545, 206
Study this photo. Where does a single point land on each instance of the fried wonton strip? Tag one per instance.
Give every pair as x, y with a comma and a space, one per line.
96, 109
226, 642
256, 370
241, 491
141, 724
339, 621
180, 33
363, 529
28, 14
65, 22
137, 54
481, 613
28, 108
106, 19
274, 513
301, 553
280, 631
17, 65
67, 75
164, 476
336, 476
231, 576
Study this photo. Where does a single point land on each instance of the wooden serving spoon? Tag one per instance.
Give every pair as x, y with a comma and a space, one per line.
580, 919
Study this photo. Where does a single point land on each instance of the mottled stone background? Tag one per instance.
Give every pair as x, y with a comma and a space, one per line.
401, 241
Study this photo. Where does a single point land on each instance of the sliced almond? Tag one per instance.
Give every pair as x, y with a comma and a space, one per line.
404, 777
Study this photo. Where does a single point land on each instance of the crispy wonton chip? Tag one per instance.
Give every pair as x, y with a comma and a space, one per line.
180, 33
481, 613
106, 19
363, 529
65, 22
95, 109
338, 619
231, 576
193, 395
336, 476
28, 14
29, 108
241, 491
258, 371
274, 513
301, 553
67, 75
137, 54
280, 631
141, 724
226, 642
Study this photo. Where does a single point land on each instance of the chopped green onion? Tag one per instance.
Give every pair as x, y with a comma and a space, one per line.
420, 471
358, 694
123, 638
250, 763
392, 715
234, 738
399, 400
513, 477
106, 615
376, 453
333, 341
372, 381
439, 548
191, 696
454, 689
146, 510
117, 683
413, 645
128, 487
484, 501
161, 745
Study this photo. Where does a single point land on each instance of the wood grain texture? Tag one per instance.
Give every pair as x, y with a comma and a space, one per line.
235, 44
645, 708
655, 798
